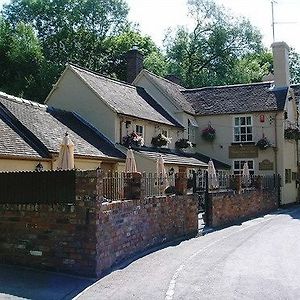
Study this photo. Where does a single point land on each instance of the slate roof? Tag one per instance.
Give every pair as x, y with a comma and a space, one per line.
124, 98
45, 128
11, 143
173, 90
234, 99
173, 156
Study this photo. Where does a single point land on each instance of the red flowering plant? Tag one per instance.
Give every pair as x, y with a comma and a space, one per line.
209, 133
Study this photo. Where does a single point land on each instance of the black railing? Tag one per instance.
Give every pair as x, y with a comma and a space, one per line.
46, 187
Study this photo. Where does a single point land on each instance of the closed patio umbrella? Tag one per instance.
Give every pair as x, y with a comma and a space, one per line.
66, 154
246, 174
163, 182
213, 182
130, 164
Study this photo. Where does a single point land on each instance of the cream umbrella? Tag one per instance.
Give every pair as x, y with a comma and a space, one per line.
163, 182
213, 181
246, 174
66, 154
130, 164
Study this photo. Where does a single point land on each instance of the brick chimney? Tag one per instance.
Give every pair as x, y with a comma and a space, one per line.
134, 59
281, 64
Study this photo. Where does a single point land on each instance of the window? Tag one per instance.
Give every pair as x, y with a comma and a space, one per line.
139, 129
288, 176
164, 132
243, 129
239, 164
191, 132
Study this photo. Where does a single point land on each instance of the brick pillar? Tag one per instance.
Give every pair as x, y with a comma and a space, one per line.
132, 188
181, 183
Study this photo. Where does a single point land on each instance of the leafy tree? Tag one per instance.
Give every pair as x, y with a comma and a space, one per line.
294, 66
21, 59
210, 53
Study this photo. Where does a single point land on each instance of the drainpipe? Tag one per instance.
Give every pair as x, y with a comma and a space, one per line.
276, 145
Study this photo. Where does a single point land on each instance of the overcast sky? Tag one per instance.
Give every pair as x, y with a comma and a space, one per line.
156, 16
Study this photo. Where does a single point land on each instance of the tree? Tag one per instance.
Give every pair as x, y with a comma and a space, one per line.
294, 66
21, 59
210, 53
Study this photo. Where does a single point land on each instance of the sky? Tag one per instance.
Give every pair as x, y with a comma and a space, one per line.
156, 16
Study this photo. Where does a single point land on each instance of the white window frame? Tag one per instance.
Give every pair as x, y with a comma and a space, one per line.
191, 132
143, 130
243, 126
241, 163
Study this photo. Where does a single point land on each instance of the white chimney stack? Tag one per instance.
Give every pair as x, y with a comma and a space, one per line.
281, 64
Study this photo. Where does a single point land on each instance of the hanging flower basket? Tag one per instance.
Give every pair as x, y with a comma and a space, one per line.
263, 143
183, 144
133, 139
292, 133
209, 134
160, 140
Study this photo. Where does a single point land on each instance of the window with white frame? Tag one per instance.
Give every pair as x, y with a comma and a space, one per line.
238, 166
243, 129
139, 129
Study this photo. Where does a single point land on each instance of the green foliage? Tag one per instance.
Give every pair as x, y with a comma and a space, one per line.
21, 59
209, 55
294, 66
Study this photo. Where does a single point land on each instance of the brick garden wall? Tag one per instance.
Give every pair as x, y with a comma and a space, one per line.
87, 236
229, 207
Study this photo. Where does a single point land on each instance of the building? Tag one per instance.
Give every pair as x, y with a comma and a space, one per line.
253, 123
128, 116
31, 135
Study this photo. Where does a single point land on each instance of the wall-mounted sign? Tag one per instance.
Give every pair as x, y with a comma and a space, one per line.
266, 165
243, 151
262, 118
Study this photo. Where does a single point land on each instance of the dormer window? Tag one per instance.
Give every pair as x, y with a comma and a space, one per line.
243, 129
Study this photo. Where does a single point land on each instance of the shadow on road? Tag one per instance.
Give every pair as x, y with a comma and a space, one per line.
17, 282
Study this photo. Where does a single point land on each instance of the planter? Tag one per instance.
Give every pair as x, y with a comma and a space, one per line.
292, 134
160, 140
263, 144
183, 144
209, 134
133, 139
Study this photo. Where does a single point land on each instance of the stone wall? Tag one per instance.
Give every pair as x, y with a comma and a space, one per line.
229, 207
88, 237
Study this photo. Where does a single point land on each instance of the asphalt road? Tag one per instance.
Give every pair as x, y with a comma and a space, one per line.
259, 259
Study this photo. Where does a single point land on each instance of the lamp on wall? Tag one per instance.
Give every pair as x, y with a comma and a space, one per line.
39, 167
171, 171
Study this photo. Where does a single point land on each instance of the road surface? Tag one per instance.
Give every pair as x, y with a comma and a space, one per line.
259, 259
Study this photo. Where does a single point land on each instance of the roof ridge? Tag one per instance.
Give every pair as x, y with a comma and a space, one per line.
227, 86
117, 81
165, 79
22, 100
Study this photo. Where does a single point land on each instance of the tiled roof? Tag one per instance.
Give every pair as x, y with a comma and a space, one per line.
236, 98
48, 126
173, 90
172, 158
124, 98
11, 143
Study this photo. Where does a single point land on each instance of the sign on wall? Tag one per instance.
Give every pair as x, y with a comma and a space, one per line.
243, 151
266, 165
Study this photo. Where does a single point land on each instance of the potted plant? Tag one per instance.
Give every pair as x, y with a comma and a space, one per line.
183, 144
133, 139
263, 143
291, 133
209, 133
160, 140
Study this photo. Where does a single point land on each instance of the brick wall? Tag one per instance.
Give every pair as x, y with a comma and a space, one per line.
229, 207
87, 236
